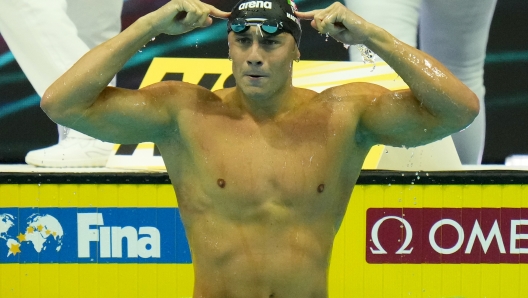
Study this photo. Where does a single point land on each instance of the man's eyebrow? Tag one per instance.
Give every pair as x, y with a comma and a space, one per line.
273, 36
245, 33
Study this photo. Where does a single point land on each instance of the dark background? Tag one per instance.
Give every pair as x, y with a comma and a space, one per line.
24, 127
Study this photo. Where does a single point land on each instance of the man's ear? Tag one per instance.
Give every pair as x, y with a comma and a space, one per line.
297, 54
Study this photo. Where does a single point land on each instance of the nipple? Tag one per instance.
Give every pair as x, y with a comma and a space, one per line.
320, 188
221, 182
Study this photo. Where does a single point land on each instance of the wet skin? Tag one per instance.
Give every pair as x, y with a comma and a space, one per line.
261, 201
263, 194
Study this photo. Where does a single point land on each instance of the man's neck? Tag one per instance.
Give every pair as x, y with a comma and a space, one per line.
270, 108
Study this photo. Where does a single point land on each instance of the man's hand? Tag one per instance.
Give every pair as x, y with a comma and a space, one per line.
339, 22
181, 16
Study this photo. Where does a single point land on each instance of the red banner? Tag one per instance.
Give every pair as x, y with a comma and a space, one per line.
447, 235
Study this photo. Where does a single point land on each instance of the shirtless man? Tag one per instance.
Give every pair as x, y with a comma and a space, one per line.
263, 171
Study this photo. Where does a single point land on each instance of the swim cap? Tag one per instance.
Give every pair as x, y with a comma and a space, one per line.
282, 11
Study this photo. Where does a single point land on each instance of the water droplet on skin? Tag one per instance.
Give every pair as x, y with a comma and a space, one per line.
425, 130
153, 39
327, 35
367, 55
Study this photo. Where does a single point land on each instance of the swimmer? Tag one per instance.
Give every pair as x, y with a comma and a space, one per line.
263, 171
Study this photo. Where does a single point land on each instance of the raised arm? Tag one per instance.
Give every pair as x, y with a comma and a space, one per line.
80, 98
437, 104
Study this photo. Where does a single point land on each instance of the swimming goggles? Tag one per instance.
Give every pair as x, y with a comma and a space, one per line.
240, 25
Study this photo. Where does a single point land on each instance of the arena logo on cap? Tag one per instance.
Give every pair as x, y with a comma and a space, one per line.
256, 4
447, 235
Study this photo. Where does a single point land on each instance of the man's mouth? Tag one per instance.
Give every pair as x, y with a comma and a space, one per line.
255, 76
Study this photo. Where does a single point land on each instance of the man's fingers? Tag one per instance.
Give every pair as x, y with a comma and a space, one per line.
197, 14
203, 20
327, 23
308, 15
217, 13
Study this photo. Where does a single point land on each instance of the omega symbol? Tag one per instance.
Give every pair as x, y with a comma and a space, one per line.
408, 237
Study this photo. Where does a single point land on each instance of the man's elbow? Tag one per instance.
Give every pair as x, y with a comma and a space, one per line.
473, 109
50, 106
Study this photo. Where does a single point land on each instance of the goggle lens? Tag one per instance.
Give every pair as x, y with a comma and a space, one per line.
269, 26
239, 25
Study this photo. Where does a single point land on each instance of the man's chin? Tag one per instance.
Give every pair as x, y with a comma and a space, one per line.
255, 93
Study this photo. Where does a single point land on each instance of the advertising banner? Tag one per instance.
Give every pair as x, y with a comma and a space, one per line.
127, 240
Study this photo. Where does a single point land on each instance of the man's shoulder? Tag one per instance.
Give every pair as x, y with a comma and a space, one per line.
172, 87
355, 91
178, 86
222, 93
178, 94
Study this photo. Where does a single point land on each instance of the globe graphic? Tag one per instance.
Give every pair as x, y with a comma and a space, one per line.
6, 222
42, 233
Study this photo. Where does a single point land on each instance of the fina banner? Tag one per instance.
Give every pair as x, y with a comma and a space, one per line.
92, 235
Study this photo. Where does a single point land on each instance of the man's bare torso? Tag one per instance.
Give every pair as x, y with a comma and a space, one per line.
261, 200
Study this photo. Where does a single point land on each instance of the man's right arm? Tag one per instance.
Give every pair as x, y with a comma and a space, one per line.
80, 98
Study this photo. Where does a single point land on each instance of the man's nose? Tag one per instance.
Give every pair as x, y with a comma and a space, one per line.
255, 55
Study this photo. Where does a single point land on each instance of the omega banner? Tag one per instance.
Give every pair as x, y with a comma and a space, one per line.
447, 235
438, 241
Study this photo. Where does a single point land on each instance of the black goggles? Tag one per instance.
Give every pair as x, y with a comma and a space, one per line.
240, 25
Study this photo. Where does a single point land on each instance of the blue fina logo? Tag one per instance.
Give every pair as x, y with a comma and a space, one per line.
89, 235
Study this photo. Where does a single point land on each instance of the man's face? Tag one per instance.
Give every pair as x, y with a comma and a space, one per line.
262, 63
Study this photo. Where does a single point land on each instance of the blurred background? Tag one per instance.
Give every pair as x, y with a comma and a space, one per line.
24, 127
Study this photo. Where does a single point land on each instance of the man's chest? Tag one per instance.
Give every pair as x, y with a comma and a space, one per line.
293, 157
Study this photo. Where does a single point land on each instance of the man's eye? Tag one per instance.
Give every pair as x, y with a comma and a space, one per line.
243, 40
270, 42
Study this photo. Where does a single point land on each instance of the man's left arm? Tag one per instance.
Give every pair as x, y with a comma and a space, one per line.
438, 104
